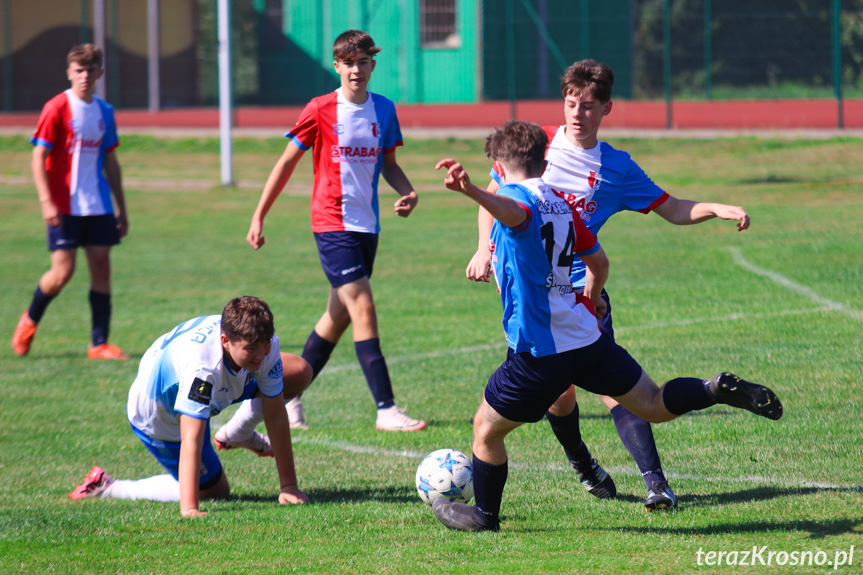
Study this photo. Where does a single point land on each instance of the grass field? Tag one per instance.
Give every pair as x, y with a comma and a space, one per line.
781, 303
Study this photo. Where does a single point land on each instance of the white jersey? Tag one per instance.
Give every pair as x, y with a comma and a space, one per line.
184, 373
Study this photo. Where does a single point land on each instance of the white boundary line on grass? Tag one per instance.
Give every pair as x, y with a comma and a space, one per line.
741, 261
412, 454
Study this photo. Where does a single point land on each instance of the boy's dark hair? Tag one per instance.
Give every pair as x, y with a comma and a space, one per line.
247, 318
85, 55
519, 145
349, 43
588, 76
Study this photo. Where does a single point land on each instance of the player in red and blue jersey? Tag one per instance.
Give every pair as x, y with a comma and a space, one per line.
555, 342
354, 134
600, 181
76, 172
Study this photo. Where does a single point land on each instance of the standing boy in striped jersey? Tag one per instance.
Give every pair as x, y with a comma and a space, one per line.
76, 172
354, 134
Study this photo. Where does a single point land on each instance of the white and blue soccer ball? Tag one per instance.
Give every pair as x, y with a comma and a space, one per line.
445, 474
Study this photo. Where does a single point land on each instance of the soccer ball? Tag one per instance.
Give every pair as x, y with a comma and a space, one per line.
445, 474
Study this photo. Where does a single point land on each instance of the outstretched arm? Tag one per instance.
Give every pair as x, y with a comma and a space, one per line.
279, 430
479, 267
191, 443
687, 212
395, 177
277, 181
503, 209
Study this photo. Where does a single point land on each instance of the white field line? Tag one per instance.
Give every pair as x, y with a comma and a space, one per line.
741, 261
417, 455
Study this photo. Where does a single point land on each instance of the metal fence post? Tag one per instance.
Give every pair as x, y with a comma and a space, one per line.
837, 61
666, 44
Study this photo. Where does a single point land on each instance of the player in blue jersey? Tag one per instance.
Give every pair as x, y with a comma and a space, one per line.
554, 339
189, 375
599, 181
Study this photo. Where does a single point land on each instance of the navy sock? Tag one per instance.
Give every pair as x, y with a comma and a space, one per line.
375, 369
488, 483
317, 352
568, 433
637, 436
684, 394
100, 306
39, 304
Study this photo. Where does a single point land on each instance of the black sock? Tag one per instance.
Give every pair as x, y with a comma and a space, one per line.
317, 352
100, 306
568, 433
684, 394
637, 436
488, 483
375, 369
39, 304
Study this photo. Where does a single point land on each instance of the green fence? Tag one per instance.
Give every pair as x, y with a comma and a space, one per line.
659, 49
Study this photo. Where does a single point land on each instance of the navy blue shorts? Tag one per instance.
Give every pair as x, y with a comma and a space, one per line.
524, 387
76, 231
167, 453
346, 256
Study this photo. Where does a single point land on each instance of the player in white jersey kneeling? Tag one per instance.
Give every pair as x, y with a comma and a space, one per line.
191, 374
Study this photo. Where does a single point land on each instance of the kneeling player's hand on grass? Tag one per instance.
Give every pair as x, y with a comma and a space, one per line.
292, 495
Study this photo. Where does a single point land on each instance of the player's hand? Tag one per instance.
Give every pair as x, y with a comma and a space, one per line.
293, 496
600, 308
122, 223
50, 214
734, 213
456, 178
406, 204
194, 512
479, 267
255, 237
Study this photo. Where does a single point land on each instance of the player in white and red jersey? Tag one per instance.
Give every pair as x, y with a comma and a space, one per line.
76, 172
600, 181
354, 135
188, 376
554, 340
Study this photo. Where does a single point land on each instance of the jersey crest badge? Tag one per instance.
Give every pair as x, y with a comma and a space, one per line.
338, 129
376, 129
594, 180
201, 392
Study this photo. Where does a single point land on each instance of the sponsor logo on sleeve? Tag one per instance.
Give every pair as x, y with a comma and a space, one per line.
201, 392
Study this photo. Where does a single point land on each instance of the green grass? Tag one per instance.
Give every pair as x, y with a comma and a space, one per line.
682, 306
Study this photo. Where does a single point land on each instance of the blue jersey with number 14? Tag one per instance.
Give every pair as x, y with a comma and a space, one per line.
542, 313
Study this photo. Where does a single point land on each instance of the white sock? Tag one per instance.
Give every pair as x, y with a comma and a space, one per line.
156, 488
245, 420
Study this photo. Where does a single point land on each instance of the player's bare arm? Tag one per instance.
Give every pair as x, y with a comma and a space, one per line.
114, 175
396, 177
505, 210
191, 444
279, 431
596, 274
276, 182
50, 212
479, 267
687, 212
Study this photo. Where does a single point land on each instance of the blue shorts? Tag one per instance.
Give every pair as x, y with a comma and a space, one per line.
346, 256
76, 231
524, 387
168, 454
